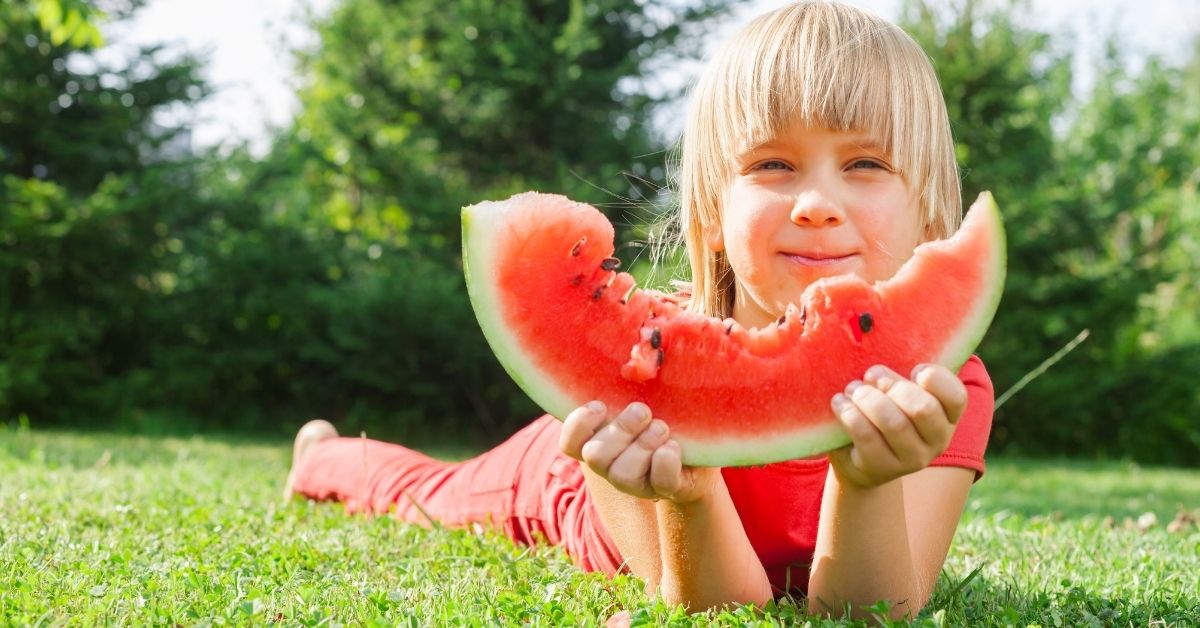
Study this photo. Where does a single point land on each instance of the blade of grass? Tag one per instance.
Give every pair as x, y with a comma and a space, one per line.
965, 581
1041, 368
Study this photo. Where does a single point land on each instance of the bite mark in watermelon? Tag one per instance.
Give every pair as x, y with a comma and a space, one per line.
569, 328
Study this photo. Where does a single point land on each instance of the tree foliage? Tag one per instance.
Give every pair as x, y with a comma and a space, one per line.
324, 278
413, 109
1099, 202
84, 187
145, 284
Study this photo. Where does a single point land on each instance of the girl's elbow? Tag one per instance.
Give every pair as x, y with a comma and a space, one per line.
674, 594
830, 604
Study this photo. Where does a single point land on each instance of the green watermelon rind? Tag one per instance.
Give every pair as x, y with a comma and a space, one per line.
958, 350
797, 444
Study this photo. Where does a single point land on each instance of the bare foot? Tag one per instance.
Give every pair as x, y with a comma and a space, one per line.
310, 434
621, 619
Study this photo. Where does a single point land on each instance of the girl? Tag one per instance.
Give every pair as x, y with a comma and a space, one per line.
816, 144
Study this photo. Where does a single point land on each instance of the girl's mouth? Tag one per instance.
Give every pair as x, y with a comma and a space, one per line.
818, 260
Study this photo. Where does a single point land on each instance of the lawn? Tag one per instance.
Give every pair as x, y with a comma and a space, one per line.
100, 528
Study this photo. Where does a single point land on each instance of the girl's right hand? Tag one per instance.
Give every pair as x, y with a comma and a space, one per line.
634, 453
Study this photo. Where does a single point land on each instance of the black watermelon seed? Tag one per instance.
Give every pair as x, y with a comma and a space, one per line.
578, 279
729, 329
578, 245
598, 293
655, 339
865, 322
660, 357
781, 320
610, 263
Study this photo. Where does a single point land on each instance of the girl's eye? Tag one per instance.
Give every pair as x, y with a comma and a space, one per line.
866, 164
772, 164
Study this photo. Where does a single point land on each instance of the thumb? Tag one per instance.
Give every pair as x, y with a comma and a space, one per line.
846, 465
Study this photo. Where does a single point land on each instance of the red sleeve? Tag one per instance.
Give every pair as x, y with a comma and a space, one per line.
970, 438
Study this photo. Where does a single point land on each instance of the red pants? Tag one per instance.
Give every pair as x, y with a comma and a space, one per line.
525, 488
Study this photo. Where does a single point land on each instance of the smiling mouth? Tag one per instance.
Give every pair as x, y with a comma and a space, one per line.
818, 260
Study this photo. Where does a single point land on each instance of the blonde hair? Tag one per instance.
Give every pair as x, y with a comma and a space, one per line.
822, 64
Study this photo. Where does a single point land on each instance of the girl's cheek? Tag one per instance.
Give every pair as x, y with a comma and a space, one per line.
893, 239
746, 243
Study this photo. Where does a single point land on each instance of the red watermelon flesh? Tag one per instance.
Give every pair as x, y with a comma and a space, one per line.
569, 328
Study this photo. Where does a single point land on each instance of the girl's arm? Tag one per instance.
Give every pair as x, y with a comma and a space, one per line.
707, 559
887, 518
690, 545
885, 543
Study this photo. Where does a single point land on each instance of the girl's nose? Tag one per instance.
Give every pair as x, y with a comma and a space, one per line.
816, 209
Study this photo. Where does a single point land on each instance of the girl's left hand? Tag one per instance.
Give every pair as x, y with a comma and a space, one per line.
897, 425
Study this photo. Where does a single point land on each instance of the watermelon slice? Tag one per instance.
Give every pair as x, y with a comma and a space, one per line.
569, 328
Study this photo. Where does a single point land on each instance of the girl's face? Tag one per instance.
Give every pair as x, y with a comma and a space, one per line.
812, 203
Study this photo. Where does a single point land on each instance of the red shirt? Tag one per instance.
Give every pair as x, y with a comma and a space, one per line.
780, 504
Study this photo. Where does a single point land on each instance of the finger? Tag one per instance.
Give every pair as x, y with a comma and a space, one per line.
601, 450
925, 413
846, 461
898, 431
630, 471
579, 426
666, 470
868, 443
923, 410
881, 377
944, 385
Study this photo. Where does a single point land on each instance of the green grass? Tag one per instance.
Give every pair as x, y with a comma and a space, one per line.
98, 528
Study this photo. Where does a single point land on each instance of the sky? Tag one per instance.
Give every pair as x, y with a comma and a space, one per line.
247, 44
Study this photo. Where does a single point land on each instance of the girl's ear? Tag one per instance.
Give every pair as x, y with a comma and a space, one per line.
713, 237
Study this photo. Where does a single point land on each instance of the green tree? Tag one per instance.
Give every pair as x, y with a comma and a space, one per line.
411, 110
86, 187
1097, 214
1129, 158
64, 117
323, 279
70, 20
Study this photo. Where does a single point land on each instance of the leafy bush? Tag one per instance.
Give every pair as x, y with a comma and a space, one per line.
147, 287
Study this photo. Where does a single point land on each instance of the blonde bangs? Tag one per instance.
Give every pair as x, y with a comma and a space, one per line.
786, 75
817, 64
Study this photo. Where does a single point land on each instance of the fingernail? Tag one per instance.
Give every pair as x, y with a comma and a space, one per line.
839, 402
656, 429
918, 370
596, 407
875, 372
853, 386
634, 416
